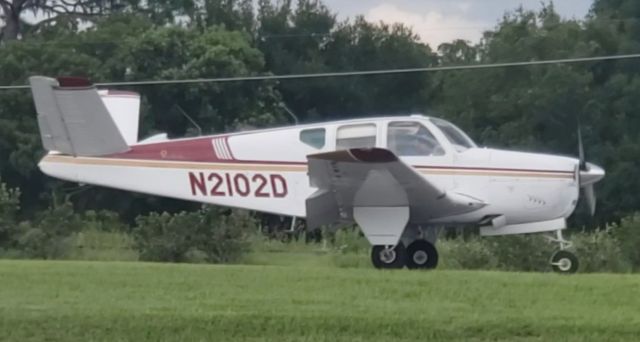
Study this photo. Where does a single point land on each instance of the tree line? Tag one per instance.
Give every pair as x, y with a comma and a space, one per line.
531, 108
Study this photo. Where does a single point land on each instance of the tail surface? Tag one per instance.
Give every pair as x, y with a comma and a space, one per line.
73, 118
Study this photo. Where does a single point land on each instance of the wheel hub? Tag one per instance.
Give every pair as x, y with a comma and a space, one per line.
420, 257
564, 264
388, 256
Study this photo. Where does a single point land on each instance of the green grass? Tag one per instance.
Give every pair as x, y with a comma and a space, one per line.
113, 301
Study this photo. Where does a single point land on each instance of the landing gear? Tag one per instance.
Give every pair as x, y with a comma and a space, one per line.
421, 254
388, 257
563, 261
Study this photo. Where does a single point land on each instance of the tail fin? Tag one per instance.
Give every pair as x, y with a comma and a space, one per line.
124, 107
73, 119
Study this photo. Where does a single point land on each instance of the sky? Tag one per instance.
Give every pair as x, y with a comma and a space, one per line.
438, 21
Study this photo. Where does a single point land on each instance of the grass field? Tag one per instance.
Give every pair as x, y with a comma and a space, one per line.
112, 301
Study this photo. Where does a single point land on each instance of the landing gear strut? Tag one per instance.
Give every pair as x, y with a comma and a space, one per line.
563, 261
388, 257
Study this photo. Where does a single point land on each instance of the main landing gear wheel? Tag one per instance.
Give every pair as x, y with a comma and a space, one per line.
564, 262
421, 254
388, 257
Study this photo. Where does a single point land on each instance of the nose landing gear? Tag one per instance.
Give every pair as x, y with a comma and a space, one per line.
563, 261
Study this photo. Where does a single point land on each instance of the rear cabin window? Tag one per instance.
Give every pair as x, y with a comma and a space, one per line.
356, 136
412, 139
315, 137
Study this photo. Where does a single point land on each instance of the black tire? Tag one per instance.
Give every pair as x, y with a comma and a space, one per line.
422, 254
564, 262
395, 262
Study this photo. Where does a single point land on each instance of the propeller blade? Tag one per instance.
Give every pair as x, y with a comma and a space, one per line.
583, 163
590, 198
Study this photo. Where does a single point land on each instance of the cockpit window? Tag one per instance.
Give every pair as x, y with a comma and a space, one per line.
460, 141
407, 138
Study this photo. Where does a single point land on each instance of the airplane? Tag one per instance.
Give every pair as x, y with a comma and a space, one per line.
399, 178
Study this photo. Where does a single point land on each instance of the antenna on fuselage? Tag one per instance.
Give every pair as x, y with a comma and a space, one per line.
293, 116
190, 119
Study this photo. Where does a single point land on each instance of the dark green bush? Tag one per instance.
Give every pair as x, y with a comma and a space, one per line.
472, 254
208, 235
599, 251
521, 252
350, 240
103, 221
627, 233
50, 235
9, 206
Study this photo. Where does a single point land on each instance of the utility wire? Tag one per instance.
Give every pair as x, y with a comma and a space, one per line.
356, 73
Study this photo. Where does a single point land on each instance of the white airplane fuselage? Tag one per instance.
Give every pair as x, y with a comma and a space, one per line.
397, 178
266, 171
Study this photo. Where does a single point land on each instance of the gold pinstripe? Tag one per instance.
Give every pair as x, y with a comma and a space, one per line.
166, 164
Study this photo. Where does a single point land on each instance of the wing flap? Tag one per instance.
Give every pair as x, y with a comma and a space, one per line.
376, 178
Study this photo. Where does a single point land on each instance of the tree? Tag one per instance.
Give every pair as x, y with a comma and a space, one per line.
310, 40
181, 53
9, 206
12, 13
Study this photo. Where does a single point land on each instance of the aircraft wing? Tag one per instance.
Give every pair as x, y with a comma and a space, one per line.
374, 188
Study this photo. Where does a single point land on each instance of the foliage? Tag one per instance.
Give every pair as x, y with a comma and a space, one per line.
102, 245
469, 254
51, 234
600, 251
103, 221
9, 206
627, 234
350, 240
611, 250
210, 235
521, 252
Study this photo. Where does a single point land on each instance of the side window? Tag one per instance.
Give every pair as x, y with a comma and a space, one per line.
314, 137
406, 138
355, 136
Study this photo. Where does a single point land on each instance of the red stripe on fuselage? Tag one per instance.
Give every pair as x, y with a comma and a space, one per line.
196, 150
201, 150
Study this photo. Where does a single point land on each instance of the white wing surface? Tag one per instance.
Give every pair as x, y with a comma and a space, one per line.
378, 191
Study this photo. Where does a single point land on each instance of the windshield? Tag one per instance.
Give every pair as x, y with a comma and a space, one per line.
409, 138
460, 141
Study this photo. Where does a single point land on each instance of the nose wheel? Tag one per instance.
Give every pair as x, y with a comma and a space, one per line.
563, 261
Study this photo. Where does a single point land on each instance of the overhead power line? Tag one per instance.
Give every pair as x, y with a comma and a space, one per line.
356, 73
